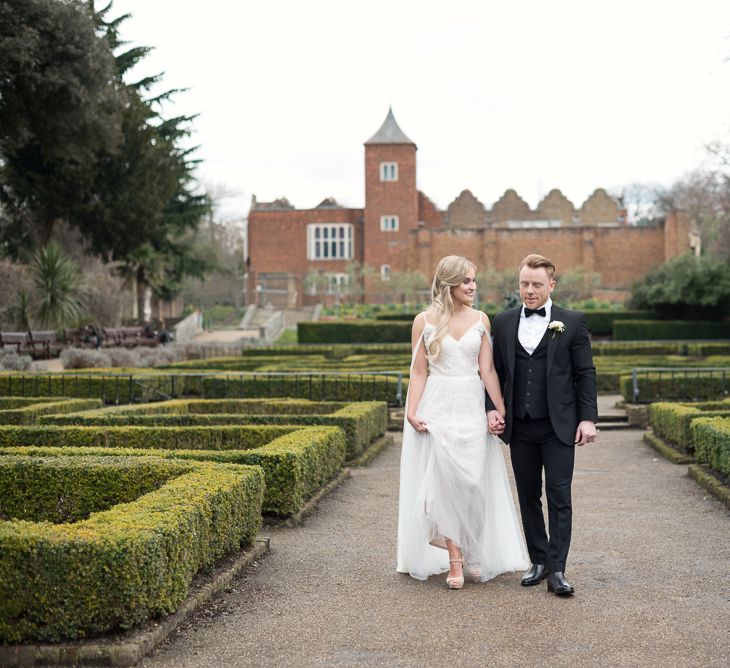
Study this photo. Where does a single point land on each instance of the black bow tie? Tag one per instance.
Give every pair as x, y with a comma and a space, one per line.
530, 311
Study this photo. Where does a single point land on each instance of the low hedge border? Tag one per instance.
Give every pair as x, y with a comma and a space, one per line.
710, 482
672, 421
59, 490
79, 384
10, 403
30, 413
354, 331
315, 387
661, 387
125, 565
130, 648
666, 450
658, 330
362, 422
711, 438
173, 438
296, 461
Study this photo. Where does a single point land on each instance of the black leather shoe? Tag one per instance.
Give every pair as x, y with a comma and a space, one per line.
534, 575
558, 585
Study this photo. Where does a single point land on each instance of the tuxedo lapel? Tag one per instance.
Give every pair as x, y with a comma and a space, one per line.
511, 339
553, 338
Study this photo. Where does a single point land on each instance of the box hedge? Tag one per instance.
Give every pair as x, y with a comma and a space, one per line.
198, 438
634, 330
317, 387
672, 421
711, 438
61, 491
297, 461
699, 385
355, 331
30, 413
121, 566
108, 388
147, 386
362, 422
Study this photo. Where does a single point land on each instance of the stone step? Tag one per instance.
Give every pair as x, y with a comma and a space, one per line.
622, 417
613, 426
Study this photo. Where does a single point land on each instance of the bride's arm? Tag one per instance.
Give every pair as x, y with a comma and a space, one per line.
419, 372
488, 372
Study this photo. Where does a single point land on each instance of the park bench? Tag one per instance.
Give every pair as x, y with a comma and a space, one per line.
21, 341
78, 338
128, 336
44, 342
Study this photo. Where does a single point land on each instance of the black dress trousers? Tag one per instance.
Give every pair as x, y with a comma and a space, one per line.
535, 446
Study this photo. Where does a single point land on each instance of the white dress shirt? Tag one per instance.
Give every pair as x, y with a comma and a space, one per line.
531, 330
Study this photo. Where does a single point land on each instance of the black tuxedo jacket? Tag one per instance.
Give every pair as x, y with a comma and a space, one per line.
571, 376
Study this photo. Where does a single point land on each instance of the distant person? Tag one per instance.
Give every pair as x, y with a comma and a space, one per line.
456, 512
91, 336
165, 335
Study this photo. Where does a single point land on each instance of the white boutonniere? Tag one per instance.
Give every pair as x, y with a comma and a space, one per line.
557, 327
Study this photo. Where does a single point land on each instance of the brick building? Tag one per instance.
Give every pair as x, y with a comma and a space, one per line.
401, 229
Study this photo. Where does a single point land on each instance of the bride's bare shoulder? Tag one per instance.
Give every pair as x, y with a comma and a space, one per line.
485, 321
427, 317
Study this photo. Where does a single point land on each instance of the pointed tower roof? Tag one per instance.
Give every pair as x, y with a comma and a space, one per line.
389, 133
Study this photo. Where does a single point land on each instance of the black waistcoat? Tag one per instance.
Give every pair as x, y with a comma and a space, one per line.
530, 388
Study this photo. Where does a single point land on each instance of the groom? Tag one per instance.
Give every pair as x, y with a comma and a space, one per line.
543, 357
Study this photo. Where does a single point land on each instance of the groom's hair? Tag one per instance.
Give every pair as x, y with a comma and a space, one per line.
535, 261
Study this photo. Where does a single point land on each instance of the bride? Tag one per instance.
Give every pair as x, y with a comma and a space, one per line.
456, 512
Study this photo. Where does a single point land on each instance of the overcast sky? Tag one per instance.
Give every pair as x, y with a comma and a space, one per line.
531, 95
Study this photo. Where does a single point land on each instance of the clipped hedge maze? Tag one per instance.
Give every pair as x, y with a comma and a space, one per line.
711, 437
682, 386
362, 422
27, 410
92, 567
700, 429
673, 421
297, 461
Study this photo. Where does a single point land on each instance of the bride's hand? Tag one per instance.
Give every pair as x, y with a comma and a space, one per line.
418, 424
496, 422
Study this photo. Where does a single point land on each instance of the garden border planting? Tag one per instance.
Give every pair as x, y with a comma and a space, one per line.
672, 421
362, 422
297, 461
122, 566
29, 413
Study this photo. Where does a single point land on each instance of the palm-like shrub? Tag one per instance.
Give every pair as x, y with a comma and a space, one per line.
56, 282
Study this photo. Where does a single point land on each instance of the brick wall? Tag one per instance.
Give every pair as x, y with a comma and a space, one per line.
619, 254
277, 242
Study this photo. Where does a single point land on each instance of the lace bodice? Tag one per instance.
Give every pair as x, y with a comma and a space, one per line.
459, 357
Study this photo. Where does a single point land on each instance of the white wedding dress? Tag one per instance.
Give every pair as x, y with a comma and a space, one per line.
453, 480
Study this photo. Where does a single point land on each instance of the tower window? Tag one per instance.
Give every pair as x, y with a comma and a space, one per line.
388, 223
388, 171
384, 272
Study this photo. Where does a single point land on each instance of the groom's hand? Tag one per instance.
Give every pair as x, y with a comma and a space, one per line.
586, 432
496, 422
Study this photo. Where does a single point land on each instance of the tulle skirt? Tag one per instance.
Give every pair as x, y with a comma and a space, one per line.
454, 484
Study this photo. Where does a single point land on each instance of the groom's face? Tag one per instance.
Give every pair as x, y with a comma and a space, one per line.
535, 286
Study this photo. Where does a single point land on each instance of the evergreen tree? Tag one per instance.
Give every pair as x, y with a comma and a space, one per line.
58, 114
146, 209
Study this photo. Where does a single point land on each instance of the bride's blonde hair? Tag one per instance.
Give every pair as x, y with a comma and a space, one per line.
450, 272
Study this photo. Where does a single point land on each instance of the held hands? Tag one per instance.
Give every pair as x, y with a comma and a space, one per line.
418, 424
586, 432
496, 423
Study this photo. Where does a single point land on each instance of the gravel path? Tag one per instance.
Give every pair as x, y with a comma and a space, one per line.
649, 561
